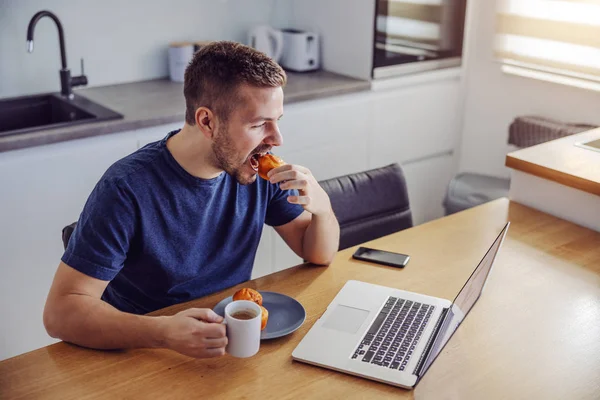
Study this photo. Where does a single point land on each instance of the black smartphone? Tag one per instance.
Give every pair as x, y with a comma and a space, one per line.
381, 257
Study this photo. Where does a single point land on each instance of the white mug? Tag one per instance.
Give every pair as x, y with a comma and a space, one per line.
243, 335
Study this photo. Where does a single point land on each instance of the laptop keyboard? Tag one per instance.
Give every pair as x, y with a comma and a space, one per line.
393, 336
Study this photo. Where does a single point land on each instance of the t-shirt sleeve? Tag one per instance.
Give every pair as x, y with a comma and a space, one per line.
280, 211
101, 239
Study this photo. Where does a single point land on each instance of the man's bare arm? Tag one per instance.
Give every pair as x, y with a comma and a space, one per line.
75, 313
314, 238
315, 234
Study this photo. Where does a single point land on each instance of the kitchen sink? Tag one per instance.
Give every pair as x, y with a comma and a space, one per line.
34, 113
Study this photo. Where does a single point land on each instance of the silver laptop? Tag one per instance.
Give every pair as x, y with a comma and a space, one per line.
386, 334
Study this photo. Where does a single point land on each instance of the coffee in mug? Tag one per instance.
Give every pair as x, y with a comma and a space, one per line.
244, 314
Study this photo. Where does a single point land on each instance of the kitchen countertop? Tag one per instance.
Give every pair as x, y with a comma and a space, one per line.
562, 161
158, 102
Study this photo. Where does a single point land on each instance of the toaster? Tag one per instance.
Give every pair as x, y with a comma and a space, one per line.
301, 51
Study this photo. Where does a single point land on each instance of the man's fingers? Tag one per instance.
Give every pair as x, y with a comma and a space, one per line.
287, 172
282, 168
213, 331
204, 314
299, 184
210, 353
285, 176
215, 343
302, 200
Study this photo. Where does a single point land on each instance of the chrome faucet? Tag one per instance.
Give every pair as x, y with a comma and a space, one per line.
67, 82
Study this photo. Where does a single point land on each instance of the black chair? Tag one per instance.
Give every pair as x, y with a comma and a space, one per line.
66, 233
369, 204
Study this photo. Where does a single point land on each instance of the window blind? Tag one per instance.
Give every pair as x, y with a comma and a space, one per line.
556, 36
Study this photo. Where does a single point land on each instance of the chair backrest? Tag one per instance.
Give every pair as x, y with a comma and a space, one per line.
369, 204
66, 233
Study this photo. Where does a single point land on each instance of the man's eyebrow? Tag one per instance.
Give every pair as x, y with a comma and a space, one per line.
265, 119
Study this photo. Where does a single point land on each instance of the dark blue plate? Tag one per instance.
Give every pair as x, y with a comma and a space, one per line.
286, 314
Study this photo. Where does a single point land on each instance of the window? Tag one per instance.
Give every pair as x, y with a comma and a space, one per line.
559, 38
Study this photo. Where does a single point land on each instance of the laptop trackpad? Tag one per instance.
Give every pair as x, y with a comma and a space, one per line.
346, 319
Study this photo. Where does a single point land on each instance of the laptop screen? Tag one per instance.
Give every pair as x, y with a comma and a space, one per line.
465, 300
470, 292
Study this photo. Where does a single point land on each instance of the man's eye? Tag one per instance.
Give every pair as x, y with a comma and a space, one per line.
259, 126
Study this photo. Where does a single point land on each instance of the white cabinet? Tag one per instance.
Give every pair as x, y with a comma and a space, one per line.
414, 122
263, 262
327, 136
42, 189
283, 256
427, 181
311, 124
155, 133
418, 127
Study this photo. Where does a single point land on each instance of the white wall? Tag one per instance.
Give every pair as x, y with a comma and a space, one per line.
346, 29
120, 41
494, 99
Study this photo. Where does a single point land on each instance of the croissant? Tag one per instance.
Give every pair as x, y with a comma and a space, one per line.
267, 163
248, 294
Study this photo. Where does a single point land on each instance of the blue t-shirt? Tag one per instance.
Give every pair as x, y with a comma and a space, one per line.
162, 236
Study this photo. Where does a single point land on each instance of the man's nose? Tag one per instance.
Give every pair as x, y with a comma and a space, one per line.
274, 138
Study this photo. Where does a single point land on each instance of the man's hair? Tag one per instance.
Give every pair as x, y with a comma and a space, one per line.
218, 69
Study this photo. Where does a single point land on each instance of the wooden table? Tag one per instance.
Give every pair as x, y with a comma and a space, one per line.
534, 334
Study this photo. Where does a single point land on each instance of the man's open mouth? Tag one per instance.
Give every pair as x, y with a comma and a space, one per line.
254, 159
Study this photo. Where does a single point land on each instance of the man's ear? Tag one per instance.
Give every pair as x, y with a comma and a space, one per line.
205, 120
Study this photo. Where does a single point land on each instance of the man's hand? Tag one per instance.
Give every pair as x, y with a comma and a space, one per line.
312, 196
315, 234
196, 332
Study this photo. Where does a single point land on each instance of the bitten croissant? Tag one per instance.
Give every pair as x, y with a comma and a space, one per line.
267, 163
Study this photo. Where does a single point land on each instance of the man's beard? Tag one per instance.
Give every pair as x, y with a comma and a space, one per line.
225, 155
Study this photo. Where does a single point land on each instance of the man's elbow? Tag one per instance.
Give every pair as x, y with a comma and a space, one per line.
321, 263
321, 259
52, 320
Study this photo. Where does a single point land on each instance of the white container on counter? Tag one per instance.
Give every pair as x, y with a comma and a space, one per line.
180, 55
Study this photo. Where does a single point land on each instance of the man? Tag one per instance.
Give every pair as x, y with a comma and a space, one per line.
182, 217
